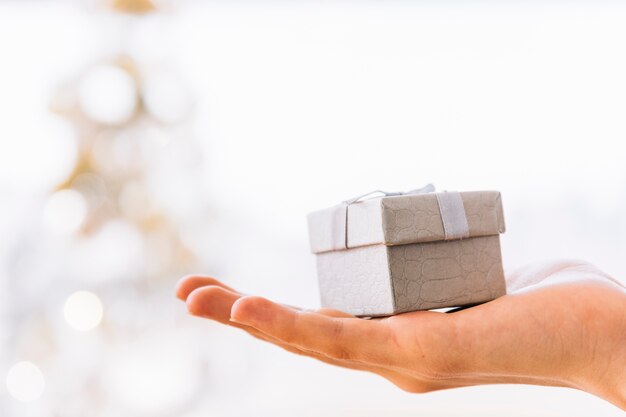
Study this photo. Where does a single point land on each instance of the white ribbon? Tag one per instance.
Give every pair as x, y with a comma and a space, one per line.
428, 188
453, 215
450, 203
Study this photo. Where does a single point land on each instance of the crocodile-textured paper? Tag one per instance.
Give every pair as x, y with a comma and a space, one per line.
446, 274
402, 262
381, 280
400, 220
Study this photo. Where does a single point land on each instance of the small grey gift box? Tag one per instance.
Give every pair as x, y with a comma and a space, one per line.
402, 252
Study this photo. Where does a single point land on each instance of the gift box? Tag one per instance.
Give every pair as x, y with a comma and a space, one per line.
389, 253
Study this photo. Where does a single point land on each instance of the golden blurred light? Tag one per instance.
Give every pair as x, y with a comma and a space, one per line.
83, 310
116, 155
108, 94
92, 187
133, 6
25, 382
65, 211
134, 202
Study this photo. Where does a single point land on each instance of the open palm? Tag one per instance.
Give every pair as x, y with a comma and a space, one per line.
562, 324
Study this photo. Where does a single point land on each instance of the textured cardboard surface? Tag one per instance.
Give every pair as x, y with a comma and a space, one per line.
356, 281
414, 219
400, 220
398, 259
381, 280
446, 274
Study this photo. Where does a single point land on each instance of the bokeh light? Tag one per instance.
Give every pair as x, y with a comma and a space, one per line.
199, 136
25, 382
65, 211
116, 154
36, 156
83, 310
108, 94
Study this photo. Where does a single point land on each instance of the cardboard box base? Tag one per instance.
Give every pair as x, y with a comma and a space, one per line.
379, 280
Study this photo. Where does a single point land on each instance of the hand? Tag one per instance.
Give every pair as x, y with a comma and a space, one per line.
562, 324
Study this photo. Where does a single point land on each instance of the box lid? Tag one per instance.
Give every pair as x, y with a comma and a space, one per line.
405, 219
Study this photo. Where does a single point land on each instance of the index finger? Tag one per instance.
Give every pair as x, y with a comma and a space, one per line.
335, 337
189, 283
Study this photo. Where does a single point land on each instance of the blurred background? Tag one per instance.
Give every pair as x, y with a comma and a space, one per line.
141, 140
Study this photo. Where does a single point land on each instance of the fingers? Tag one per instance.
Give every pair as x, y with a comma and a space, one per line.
186, 285
212, 302
337, 338
330, 336
215, 303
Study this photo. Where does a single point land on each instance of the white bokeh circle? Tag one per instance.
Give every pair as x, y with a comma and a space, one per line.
108, 94
25, 382
65, 211
83, 310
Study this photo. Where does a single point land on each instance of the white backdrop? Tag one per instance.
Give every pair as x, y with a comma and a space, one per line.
299, 106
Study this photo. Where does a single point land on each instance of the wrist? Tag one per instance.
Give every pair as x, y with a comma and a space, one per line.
607, 375
612, 387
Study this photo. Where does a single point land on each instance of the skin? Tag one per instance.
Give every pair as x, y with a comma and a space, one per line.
562, 324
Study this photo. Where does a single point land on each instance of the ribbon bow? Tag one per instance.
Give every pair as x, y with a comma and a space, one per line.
428, 188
